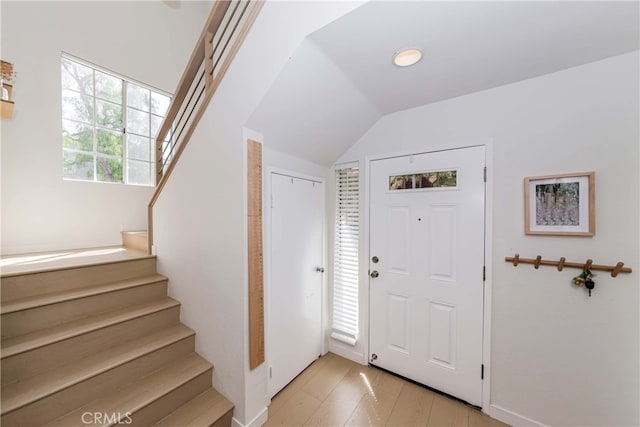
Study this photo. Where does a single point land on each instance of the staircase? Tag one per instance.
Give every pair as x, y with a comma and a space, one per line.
101, 344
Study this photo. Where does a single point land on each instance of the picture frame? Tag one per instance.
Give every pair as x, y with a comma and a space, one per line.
560, 205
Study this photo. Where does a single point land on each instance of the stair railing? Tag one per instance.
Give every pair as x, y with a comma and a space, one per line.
223, 34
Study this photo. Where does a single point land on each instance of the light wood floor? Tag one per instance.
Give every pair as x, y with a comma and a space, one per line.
334, 391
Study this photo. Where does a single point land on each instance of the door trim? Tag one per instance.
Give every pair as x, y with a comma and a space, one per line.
267, 175
488, 250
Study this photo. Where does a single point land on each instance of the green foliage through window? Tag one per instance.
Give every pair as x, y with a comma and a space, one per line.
424, 180
108, 126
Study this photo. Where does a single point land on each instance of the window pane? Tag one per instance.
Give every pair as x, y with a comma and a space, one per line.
137, 122
109, 115
108, 87
159, 103
99, 135
109, 170
156, 121
400, 182
437, 179
78, 165
434, 179
138, 147
77, 135
138, 172
137, 97
77, 107
76, 76
109, 142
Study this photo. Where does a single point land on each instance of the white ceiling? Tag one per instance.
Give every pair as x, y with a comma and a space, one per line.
342, 79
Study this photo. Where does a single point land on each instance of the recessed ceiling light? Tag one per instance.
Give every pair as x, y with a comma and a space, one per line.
407, 57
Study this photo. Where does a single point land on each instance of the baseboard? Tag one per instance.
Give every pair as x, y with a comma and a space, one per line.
511, 418
352, 355
259, 420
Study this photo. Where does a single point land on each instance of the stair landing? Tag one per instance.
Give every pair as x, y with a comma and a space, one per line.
11, 265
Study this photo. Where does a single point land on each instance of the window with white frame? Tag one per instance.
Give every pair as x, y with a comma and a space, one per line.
345, 256
109, 125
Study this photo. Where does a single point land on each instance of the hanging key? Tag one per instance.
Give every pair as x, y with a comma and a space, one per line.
589, 283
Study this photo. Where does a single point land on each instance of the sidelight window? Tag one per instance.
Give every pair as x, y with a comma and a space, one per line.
345, 268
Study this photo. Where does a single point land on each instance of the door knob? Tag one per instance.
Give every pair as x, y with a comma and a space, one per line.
374, 274
320, 269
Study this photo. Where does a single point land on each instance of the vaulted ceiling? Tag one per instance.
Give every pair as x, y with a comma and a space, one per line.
342, 79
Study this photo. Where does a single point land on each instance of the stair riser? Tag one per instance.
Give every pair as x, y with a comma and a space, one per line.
198, 409
26, 321
29, 285
58, 404
217, 413
170, 402
43, 359
139, 242
225, 421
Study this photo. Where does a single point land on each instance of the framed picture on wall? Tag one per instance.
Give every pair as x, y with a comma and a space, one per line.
560, 205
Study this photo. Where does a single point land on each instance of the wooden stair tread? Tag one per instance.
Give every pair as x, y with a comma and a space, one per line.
22, 393
203, 410
31, 341
136, 396
57, 297
66, 260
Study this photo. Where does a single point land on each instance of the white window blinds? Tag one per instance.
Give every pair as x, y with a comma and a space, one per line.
345, 264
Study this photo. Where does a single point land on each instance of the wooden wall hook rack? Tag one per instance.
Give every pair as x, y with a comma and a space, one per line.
562, 263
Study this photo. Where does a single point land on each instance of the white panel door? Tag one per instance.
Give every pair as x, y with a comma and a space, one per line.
295, 316
427, 287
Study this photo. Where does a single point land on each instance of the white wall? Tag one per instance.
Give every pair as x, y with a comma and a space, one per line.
146, 41
277, 159
558, 357
199, 220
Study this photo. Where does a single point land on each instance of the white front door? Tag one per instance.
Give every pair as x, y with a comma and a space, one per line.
427, 286
295, 293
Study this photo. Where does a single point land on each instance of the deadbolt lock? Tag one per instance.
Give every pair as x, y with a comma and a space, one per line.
375, 259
